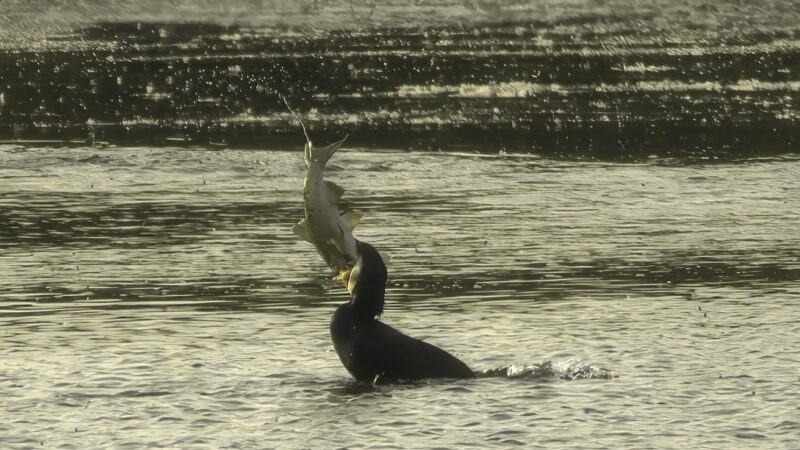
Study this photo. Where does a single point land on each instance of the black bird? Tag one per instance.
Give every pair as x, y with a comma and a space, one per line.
374, 352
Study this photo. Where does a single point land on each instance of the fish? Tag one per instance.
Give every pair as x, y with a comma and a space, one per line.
323, 225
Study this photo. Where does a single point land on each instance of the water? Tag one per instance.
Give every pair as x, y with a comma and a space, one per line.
155, 297
610, 79
596, 209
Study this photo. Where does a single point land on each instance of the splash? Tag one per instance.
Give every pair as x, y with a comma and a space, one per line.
571, 369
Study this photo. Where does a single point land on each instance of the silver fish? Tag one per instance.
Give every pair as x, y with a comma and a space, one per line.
323, 226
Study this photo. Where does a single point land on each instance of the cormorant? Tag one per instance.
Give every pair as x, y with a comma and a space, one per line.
374, 352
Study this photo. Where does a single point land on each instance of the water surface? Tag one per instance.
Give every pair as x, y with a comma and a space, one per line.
616, 79
155, 297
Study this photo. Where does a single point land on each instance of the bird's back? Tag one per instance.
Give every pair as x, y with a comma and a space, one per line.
375, 352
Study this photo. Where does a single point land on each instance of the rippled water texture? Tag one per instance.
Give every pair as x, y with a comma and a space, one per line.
155, 297
611, 79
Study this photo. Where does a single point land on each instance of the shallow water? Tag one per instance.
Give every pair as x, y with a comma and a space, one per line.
155, 297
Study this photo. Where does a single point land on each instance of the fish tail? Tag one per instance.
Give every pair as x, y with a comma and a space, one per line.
323, 154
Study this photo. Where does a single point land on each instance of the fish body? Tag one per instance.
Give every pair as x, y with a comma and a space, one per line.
330, 232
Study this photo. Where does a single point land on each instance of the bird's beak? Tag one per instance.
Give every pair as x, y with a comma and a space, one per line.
345, 277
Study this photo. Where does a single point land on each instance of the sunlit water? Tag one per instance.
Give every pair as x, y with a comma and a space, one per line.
155, 297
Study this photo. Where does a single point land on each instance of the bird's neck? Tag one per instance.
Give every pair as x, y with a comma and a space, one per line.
367, 303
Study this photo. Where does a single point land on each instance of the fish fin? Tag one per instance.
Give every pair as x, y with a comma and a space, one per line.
323, 154
351, 219
301, 230
334, 192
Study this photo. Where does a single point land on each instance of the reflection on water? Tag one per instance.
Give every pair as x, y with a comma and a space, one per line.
157, 297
